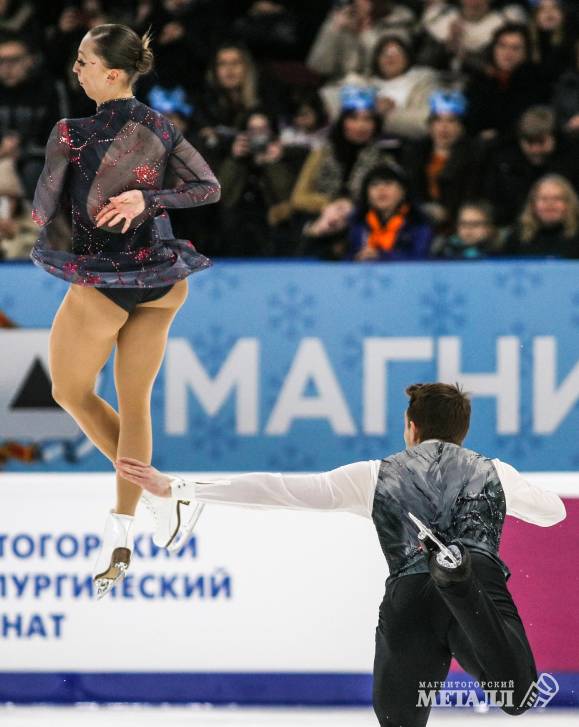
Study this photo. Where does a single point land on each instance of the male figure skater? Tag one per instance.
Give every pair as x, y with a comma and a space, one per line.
437, 604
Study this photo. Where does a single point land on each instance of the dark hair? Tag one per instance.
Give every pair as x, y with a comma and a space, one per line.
380, 9
260, 111
312, 99
120, 47
439, 411
511, 29
385, 40
24, 40
387, 171
342, 147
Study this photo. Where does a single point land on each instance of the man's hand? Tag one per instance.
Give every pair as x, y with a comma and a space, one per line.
144, 475
127, 206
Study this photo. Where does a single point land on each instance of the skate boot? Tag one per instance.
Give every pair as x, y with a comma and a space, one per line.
115, 553
174, 520
448, 563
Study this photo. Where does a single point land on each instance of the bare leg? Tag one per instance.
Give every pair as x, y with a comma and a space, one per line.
140, 349
83, 334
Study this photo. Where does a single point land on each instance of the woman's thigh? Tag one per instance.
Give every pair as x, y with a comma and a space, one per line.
82, 336
141, 344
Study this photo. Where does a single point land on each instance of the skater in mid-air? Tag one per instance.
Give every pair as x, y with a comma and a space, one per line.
439, 510
115, 173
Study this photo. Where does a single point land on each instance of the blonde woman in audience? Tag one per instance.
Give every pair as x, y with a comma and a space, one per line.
549, 223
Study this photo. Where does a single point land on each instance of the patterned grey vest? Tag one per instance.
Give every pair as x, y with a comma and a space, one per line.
451, 489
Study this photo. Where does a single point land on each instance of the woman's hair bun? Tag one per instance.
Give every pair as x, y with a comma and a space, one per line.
145, 61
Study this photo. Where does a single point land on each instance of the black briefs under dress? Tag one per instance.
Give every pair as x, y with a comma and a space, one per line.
129, 298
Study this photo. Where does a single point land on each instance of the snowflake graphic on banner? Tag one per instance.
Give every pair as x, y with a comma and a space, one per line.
213, 347
290, 458
367, 280
217, 283
353, 346
443, 309
214, 435
518, 280
292, 312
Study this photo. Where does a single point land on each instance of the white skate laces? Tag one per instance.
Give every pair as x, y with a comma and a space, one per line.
115, 553
447, 556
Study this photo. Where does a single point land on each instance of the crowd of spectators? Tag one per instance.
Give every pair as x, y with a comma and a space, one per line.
339, 129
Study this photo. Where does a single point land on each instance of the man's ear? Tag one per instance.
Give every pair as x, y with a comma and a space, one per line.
415, 434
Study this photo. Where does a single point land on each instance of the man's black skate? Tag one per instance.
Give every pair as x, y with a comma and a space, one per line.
448, 563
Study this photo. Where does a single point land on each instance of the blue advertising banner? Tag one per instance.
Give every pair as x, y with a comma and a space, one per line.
303, 366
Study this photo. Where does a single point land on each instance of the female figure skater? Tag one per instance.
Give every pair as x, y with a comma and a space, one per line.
117, 170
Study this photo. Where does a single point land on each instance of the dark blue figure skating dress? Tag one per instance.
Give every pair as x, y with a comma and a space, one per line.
124, 146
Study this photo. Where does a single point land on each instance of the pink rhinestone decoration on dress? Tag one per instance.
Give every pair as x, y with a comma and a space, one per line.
124, 146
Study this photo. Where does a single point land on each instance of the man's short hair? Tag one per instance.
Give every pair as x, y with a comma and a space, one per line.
537, 123
439, 411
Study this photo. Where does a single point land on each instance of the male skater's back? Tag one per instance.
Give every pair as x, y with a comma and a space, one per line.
446, 594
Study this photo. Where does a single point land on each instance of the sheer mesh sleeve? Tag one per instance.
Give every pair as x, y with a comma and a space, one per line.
194, 182
51, 184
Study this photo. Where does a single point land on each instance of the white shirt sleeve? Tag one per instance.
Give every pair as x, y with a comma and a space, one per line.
526, 501
346, 489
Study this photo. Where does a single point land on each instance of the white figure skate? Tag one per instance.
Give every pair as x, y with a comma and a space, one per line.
174, 520
115, 553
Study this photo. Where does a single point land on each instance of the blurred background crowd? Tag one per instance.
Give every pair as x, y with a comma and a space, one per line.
339, 130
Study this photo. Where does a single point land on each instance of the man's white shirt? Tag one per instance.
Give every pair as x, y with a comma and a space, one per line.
351, 489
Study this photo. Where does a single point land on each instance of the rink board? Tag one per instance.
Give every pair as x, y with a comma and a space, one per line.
262, 607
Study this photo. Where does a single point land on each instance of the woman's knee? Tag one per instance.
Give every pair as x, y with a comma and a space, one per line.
71, 396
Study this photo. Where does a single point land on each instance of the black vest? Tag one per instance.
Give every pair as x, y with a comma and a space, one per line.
453, 490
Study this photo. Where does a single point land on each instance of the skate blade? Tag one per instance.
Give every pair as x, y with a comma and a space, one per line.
184, 528
105, 581
448, 557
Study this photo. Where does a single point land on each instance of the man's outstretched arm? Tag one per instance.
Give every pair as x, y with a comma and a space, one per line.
526, 501
347, 489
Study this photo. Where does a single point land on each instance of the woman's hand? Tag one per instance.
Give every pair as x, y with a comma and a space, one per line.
367, 253
127, 206
144, 475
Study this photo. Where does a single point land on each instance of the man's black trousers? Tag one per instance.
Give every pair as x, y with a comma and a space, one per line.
421, 627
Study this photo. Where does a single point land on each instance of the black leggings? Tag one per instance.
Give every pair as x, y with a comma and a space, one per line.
421, 627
